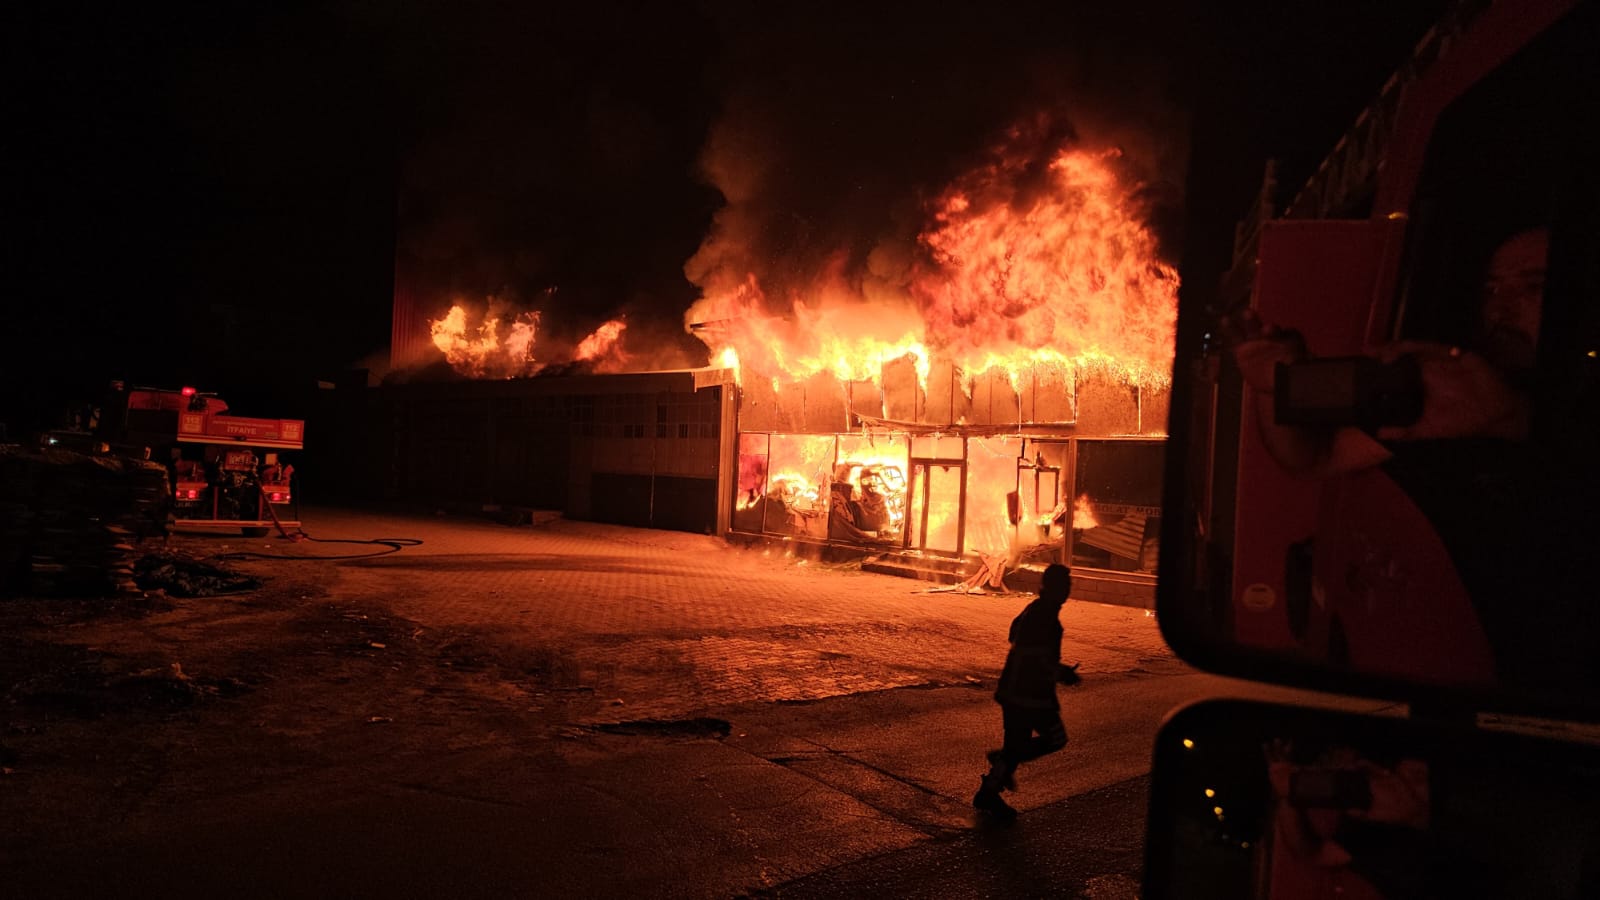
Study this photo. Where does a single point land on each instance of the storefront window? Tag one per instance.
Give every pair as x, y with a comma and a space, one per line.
937, 446
750, 501
1116, 517
875, 469
1044, 514
938, 474
797, 480
935, 507
992, 497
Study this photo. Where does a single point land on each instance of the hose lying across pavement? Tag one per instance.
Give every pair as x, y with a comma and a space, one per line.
395, 545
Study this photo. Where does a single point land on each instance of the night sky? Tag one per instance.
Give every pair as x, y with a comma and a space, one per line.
216, 194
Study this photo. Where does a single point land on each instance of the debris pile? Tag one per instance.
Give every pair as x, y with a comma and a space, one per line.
70, 521
170, 686
182, 577
93, 692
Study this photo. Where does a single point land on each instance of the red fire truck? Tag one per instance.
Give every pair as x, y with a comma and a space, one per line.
227, 471
1438, 556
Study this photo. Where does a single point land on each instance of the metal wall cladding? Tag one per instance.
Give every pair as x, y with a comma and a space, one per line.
605, 447
1083, 401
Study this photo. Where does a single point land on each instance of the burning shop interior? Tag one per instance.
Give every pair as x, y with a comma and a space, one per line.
997, 476
993, 393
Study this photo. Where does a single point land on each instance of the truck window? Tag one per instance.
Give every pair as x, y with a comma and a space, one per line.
1511, 159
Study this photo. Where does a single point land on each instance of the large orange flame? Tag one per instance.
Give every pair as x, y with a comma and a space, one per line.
1025, 263
485, 344
1062, 271
603, 348
1083, 517
832, 332
494, 340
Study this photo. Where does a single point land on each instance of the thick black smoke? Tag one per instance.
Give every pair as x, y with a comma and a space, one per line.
630, 158
837, 128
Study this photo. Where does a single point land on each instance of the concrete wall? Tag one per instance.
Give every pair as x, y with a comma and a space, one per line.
1097, 587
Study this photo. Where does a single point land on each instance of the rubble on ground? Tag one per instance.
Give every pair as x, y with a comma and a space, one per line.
185, 577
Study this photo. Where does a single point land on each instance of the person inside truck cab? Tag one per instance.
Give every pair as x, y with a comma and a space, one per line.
1474, 391
1512, 300
1508, 504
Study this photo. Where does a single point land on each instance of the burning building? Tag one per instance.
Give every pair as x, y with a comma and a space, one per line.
988, 388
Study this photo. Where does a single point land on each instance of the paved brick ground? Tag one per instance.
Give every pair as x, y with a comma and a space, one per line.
521, 706
674, 624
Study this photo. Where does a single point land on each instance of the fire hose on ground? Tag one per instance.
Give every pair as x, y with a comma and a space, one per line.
392, 545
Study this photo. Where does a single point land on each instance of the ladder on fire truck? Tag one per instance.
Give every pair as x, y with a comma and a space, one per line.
1344, 184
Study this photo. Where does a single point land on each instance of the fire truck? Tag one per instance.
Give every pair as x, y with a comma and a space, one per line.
226, 471
1390, 569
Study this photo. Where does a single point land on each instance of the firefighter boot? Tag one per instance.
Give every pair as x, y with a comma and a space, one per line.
988, 800
1003, 775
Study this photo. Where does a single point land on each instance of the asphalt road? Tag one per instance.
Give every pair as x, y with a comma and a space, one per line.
583, 710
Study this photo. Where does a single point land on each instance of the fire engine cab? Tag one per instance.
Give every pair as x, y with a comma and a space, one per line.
1428, 520
226, 471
